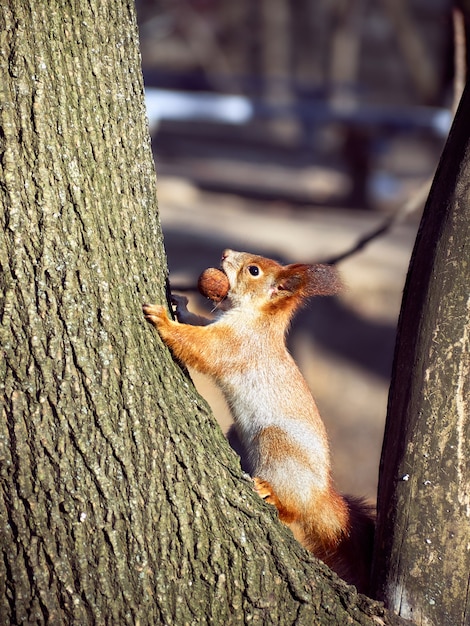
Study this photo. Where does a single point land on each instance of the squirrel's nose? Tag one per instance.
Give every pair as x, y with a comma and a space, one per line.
226, 253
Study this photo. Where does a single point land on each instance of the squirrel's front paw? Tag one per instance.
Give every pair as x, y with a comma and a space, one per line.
155, 314
181, 306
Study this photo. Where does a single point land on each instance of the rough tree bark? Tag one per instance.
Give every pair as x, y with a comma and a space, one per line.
121, 503
423, 536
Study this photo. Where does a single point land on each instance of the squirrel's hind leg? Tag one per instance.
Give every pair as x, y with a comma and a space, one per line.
264, 489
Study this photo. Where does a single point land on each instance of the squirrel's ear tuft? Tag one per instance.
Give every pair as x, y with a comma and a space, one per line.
291, 279
323, 280
309, 280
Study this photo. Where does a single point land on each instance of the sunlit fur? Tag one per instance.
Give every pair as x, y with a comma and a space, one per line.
277, 420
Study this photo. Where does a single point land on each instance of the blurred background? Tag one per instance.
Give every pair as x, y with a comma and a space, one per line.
293, 128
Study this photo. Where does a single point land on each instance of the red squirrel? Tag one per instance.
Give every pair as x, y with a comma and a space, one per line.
275, 415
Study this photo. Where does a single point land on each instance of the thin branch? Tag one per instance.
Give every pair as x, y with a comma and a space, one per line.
409, 207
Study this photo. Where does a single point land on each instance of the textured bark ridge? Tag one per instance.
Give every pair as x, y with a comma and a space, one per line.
423, 556
120, 501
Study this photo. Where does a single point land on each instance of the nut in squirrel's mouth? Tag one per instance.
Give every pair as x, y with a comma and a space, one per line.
214, 284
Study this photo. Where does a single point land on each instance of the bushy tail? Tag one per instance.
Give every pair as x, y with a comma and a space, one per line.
339, 530
352, 559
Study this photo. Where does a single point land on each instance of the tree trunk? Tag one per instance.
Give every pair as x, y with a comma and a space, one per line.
121, 503
423, 535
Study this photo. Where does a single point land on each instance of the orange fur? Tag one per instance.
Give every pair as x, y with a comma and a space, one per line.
277, 420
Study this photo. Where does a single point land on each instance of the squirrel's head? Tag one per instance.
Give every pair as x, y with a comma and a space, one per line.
271, 287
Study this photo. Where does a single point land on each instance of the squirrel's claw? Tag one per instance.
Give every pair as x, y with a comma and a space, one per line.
262, 488
154, 313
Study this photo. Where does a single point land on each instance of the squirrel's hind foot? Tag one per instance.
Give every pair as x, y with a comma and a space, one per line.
266, 492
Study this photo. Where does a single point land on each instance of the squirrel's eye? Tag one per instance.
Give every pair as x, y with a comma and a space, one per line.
254, 270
